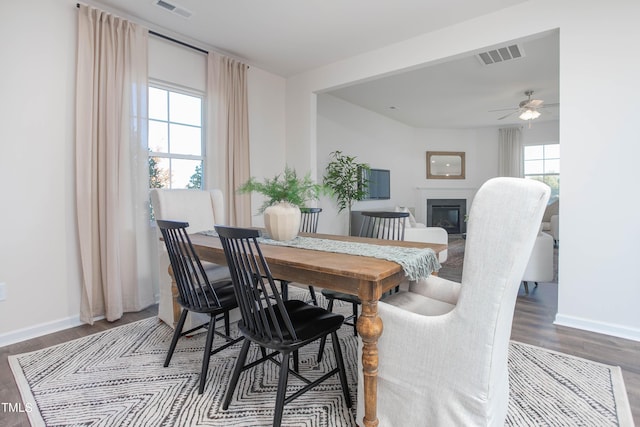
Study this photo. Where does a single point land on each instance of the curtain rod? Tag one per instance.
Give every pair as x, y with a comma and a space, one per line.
171, 39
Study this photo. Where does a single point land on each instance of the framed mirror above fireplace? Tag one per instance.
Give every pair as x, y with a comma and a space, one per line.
445, 165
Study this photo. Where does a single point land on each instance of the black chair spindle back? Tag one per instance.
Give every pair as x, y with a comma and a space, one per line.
262, 308
384, 225
194, 287
309, 219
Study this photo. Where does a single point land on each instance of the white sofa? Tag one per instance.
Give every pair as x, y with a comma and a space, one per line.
413, 232
421, 233
202, 210
418, 232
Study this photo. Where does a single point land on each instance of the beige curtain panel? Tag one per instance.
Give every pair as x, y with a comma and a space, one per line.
229, 136
511, 154
112, 202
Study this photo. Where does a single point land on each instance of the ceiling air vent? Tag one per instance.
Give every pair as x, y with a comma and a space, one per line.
173, 8
501, 54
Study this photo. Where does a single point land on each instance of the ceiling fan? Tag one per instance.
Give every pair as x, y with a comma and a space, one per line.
527, 109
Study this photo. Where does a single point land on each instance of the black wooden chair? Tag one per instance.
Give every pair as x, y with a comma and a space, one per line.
384, 225
275, 324
377, 225
196, 293
309, 220
308, 224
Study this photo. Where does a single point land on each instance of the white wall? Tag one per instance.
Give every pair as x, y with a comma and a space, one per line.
371, 138
541, 133
266, 130
172, 63
38, 255
388, 144
599, 286
39, 258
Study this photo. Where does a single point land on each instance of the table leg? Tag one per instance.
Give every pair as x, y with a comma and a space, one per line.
370, 328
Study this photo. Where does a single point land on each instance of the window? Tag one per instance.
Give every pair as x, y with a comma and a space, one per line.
542, 162
176, 152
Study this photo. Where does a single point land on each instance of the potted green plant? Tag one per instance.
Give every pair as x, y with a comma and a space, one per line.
284, 195
344, 177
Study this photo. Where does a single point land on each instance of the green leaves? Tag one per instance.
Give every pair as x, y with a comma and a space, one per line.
287, 187
344, 177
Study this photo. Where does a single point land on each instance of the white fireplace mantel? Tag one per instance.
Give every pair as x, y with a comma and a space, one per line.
424, 193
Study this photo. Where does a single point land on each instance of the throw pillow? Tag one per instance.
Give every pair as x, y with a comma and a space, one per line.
412, 220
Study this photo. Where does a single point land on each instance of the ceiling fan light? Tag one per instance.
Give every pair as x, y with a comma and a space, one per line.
529, 114
526, 115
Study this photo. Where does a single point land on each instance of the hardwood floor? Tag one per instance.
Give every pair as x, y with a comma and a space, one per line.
532, 324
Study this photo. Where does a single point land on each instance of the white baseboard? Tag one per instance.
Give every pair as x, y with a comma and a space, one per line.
614, 330
41, 329
35, 331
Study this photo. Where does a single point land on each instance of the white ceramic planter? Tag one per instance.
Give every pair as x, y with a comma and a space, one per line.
282, 221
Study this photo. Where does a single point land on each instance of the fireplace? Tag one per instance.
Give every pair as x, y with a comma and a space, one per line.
448, 214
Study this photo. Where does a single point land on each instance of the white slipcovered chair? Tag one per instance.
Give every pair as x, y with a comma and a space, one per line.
202, 210
443, 353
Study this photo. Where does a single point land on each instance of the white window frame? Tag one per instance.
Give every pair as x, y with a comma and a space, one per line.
544, 159
169, 87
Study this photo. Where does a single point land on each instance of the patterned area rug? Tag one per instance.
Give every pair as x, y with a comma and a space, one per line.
116, 378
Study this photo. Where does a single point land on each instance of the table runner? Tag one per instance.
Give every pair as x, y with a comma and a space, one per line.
415, 262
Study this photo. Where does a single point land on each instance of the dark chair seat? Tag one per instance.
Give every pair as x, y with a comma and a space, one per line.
224, 294
309, 323
216, 272
340, 296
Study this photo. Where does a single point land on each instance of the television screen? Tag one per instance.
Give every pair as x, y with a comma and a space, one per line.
379, 184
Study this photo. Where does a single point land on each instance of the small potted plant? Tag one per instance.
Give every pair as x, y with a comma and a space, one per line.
285, 194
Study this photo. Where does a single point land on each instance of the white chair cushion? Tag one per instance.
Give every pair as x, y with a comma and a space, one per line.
411, 220
419, 304
201, 209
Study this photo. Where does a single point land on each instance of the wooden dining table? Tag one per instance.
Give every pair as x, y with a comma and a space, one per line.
367, 277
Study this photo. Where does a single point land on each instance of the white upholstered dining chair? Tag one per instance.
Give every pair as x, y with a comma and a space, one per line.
202, 209
443, 353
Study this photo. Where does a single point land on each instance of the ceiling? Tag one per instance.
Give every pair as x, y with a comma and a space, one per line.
462, 92
287, 37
